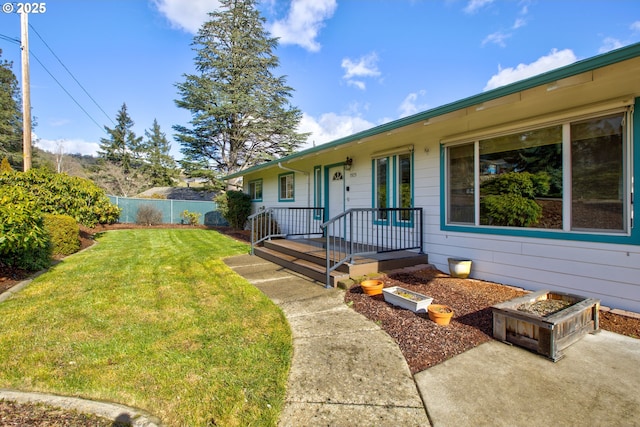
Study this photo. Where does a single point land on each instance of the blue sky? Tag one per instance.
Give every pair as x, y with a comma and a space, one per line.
353, 64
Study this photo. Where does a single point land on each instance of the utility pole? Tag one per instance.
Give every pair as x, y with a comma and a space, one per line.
26, 91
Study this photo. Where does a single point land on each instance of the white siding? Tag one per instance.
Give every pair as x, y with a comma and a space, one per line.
610, 272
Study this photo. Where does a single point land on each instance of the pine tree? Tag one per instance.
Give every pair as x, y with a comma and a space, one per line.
241, 115
122, 148
10, 115
159, 166
118, 171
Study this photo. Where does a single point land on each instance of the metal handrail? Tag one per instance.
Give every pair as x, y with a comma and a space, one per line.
284, 222
370, 230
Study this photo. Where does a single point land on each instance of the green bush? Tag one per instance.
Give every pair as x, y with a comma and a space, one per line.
191, 218
509, 199
235, 207
62, 194
64, 232
148, 215
24, 241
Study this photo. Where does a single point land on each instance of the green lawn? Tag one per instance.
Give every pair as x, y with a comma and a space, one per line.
152, 319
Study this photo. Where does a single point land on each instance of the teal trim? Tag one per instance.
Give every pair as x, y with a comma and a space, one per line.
374, 189
317, 189
397, 190
589, 64
326, 189
293, 196
627, 239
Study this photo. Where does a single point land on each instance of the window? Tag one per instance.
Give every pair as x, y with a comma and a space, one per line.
380, 186
255, 190
569, 176
286, 187
393, 186
405, 186
317, 190
597, 171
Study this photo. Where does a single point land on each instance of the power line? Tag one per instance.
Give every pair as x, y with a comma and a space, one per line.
13, 40
72, 76
67, 92
10, 39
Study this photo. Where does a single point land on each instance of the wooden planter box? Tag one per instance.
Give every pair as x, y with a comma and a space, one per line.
546, 335
417, 302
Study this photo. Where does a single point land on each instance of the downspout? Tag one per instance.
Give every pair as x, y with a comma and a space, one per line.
308, 181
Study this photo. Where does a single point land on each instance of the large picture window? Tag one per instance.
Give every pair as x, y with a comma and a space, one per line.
286, 187
567, 176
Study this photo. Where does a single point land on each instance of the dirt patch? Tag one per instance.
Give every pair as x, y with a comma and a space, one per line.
425, 344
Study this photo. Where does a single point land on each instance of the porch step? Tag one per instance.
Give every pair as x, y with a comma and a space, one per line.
307, 250
308, 257
298, 264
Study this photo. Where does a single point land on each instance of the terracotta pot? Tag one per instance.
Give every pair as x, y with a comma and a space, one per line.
372, 287
441, 314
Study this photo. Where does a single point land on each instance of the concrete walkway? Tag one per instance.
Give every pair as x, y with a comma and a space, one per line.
345, 371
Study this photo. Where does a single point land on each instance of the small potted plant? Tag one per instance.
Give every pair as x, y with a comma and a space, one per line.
440, 313
407, 299
372, 287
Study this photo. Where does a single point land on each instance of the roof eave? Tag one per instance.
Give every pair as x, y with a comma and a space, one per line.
578, 67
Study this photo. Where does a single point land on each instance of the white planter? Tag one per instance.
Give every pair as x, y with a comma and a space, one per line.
416, 303
460, 268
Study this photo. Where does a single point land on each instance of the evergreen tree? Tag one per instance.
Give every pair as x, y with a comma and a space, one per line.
241, 115
120, 159
159, 166
10, 115
122, 148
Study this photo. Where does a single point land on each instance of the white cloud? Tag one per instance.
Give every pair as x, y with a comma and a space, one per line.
609, 44
187, 15
357, 83
635, 27
520, 22
474, 5
496, 38
365, 66
409, 105
331, 126
303, 23
69, 146
556, 59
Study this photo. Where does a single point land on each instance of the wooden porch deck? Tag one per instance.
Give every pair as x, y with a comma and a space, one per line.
308, 257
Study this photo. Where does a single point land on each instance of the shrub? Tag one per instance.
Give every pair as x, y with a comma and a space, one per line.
509, 199
5, 166
148, 215
62, 194
235, 207
64, 232
24, 241
191, 218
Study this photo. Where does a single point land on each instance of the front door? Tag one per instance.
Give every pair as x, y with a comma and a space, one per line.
335, 198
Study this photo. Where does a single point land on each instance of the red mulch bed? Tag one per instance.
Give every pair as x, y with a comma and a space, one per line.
423, 342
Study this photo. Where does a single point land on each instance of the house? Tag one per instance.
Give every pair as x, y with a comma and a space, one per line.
533, 181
